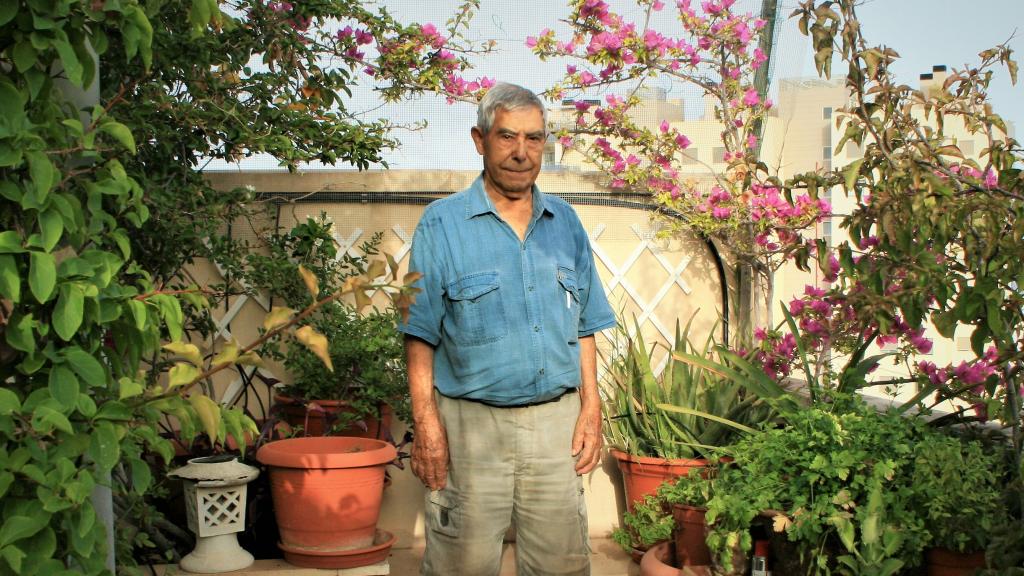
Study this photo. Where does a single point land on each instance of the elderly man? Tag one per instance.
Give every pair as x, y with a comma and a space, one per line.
502, 361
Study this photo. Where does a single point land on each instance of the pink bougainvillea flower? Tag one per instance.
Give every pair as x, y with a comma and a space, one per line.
363, 37
682, 141
721, 212
751, 98
664, 126
991, 178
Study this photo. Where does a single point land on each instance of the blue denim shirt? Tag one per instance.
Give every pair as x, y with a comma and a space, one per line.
504, 316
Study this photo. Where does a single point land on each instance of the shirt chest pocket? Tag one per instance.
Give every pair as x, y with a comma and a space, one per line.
475, 312
571, 317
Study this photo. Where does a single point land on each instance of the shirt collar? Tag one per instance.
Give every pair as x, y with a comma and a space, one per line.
478, 202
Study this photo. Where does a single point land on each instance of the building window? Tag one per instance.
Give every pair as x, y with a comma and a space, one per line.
826, 152
967, 147
853, 149
826, 113
691, 156
549, 154
826, 231
718, 155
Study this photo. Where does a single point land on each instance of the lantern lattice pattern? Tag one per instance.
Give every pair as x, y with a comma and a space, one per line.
217, 510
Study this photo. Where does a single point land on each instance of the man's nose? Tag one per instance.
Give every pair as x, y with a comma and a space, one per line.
519, 149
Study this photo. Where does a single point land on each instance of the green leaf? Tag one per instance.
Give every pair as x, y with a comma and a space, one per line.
42, 275
181, 374
13, 556
142, 476
12, 108
187, 351
45, 419
86, 520
145, 36
10, 281
209, 414
51, 226
19, 333
104, 448
114, 411
63, 386
128, 388
10, 156
24, 56
10, 242
139, 313
86, 366
9, 402
6, 479
68, 58
199, 17
86, 406
170, 309
851, 173
42, 172
67, 315
119, 132
8, 10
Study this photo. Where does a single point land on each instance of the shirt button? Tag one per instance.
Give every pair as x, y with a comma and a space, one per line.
536, 328
541, 371
530, 288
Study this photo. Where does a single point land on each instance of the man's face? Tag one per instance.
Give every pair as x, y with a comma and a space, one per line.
512, 150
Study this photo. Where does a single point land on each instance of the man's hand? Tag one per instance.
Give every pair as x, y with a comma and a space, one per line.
429, 440
430, 453
587, 439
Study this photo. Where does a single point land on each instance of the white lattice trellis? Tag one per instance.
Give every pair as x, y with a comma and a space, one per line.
620, 277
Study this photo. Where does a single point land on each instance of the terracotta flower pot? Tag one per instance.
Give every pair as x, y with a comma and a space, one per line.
943, 562
690, 535
658, 562
641, 475
327, 492
318, 416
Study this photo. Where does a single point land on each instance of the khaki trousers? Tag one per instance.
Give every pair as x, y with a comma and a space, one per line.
508, 464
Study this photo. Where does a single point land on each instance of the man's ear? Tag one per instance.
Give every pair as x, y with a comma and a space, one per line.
478, 139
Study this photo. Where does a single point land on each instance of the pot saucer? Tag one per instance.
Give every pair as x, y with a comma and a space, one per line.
339, 559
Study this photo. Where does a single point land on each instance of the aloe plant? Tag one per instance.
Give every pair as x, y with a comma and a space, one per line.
689, 410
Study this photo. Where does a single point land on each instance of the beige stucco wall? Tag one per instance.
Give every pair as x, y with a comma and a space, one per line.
658, 281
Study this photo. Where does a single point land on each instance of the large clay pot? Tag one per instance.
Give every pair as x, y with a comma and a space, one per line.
641, 475
690, 535
318, 416
327, 492
943, 562
658, 561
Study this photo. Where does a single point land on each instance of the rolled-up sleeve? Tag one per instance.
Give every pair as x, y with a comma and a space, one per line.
596, 313
425, 314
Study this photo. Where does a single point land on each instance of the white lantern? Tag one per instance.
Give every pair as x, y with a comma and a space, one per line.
215, 489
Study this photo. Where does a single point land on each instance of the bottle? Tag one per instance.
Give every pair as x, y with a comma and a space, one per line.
759, 562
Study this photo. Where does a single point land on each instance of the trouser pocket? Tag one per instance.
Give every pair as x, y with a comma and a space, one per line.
442, 513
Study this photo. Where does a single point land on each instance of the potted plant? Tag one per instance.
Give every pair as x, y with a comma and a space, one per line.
365, 383
835, 484
958, 485
327, 493
659, 426
671, 524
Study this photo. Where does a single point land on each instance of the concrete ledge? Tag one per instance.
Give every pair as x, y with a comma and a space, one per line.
607, 560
